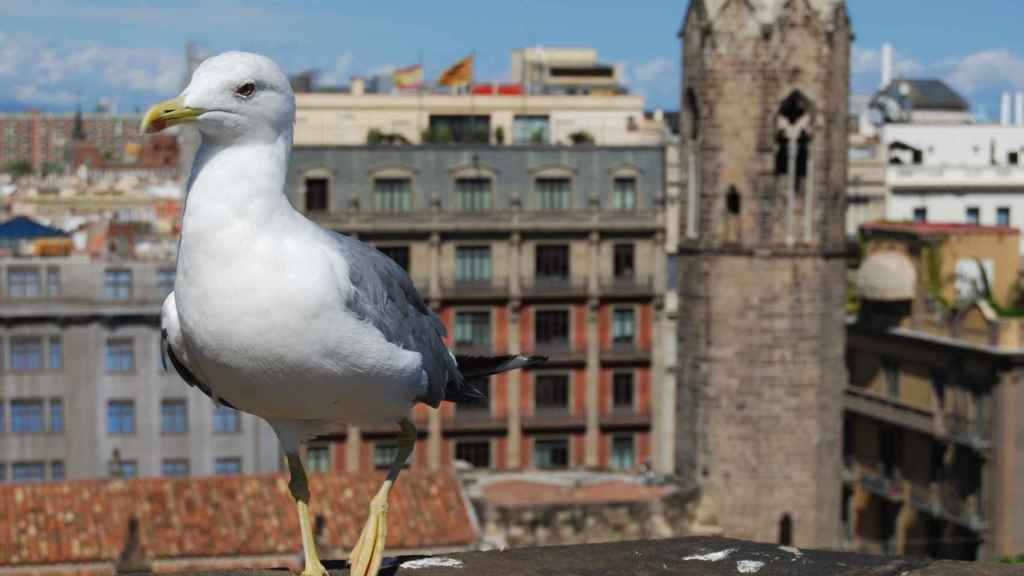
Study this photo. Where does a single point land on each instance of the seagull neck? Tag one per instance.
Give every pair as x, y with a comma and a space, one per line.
239, 182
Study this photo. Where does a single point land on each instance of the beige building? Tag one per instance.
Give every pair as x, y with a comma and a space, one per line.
931, 453
83, 393
542, 69
867, 191
348, 119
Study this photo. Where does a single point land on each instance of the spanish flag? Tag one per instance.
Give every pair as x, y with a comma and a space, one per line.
458, 74
407, 78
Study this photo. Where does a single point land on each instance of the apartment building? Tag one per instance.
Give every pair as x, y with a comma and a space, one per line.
41, 138
931, 454
554, 250
83, 392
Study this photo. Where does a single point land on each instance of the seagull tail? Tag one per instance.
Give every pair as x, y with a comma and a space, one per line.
475, 369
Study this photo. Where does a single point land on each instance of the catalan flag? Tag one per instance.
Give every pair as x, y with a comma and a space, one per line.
458, 74
408, 77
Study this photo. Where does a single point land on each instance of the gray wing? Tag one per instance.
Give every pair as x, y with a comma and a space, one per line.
386, 298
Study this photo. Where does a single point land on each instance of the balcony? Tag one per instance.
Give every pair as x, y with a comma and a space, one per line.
974, 433
555, 287
627, 286
891, 411
559, 352
963, 510
625, 417
471, 418
552, 419
625, 351
494, 288
473, 349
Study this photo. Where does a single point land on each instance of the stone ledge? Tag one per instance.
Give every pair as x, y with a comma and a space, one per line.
696, 556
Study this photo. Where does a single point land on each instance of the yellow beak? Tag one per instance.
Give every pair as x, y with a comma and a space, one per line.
167, 113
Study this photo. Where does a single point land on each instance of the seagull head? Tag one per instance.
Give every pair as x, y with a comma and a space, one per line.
233, 97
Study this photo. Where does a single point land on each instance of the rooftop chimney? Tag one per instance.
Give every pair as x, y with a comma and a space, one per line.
1004, 111
886, 64
358, 86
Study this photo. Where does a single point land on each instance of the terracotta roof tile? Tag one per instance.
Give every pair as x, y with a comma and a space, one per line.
87, 520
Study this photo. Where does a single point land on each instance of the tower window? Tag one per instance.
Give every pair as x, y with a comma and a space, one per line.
732, 201
692, 114
786, 530
793, 123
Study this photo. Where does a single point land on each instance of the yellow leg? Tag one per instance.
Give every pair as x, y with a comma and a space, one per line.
299, 487
368, 552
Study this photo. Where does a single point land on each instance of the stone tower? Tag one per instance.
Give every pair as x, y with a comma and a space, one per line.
761, 264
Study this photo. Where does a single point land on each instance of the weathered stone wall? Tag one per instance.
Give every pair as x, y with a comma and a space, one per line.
575, 523
761, 335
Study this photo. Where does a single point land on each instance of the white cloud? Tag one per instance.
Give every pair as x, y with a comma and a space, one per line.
31, 94
53, 74
987, 70
866, 64
657, 80
340, 72
654, 70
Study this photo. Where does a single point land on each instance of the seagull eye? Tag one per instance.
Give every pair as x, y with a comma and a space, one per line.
245, 90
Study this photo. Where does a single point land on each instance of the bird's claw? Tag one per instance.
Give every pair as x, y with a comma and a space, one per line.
368, 552
315, 570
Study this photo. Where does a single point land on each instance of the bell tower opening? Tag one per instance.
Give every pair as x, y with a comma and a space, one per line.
793, 135
691, 115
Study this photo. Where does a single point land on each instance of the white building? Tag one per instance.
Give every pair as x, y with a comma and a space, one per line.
942, 165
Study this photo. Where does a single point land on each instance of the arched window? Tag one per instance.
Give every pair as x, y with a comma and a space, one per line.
691, 113
786, 530
793, 135
733, 201
793, 130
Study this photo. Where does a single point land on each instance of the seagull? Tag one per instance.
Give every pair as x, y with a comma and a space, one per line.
306, 328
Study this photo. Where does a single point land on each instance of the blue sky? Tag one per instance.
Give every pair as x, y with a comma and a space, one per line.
53, 52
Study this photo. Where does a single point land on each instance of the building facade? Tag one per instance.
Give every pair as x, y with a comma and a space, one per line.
762, 264
932, 462
45, 139
553, 250
83, 391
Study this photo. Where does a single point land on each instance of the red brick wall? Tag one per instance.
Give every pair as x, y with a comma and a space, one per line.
501, 329
446, 318
447, 452
499, 395
525, 389
501, 453
526, 329
579, 331
604, 449
525, 452
576, 446
604, 328
579, 390
365, 463
643, 447
645, 326
643, 389
338, 456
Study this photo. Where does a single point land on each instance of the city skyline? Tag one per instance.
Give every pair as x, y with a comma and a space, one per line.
129, 53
